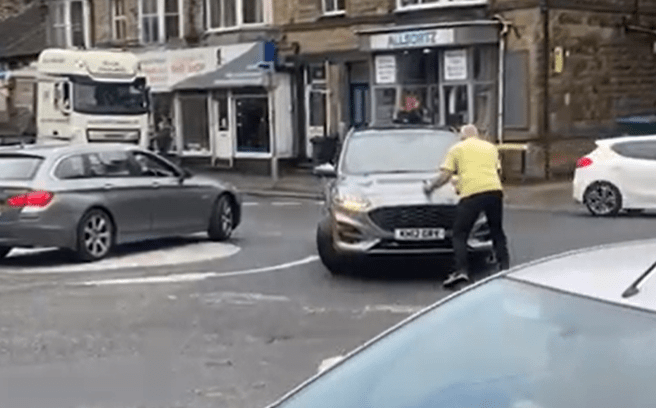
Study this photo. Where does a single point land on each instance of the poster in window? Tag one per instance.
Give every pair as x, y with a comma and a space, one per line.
385, 69
455, 65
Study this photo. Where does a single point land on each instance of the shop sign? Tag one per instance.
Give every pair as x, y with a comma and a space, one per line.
455, 65
385, 69
410, 39
166, 68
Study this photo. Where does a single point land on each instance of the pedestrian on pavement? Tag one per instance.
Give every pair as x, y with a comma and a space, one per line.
476, 163
164, 135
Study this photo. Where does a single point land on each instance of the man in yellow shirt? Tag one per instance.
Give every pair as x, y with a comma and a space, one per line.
476, 163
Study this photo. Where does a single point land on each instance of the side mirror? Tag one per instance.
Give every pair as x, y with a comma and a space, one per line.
325, 170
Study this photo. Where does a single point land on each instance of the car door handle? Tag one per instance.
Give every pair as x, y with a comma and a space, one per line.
155, 184
108, 186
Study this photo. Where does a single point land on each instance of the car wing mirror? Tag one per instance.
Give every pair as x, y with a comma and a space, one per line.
325, 170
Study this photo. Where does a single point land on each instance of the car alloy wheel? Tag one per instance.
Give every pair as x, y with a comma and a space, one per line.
95, 236
223, 219
603, 199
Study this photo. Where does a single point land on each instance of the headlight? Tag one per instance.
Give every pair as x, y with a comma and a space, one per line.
352, 203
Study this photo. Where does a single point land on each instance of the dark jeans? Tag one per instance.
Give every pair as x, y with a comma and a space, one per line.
469, 208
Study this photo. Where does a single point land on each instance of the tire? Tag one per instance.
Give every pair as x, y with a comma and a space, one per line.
4, 251
603, 199
222, 222
95, 236
332, 260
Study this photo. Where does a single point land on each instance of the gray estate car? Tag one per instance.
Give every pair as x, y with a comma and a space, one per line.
375, 204
88, 198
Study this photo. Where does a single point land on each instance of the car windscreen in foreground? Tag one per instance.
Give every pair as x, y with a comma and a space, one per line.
18, 167
396, 151
505, 344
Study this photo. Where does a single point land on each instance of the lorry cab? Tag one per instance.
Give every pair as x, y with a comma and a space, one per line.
91, 96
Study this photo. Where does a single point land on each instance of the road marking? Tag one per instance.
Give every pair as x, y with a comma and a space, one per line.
329, 362
192, 277
52, 261
250, 204
285, 203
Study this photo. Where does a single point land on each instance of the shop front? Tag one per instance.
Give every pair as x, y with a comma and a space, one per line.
247, 110
444, 75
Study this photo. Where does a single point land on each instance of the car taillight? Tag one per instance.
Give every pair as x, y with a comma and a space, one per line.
33, 199
583, 162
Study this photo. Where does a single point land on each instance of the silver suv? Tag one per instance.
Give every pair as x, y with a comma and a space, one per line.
375, 204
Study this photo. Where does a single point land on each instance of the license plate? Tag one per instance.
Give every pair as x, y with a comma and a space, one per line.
419, 234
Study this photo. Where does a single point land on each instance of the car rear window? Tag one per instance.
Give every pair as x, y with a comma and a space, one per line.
19, 167
636, 150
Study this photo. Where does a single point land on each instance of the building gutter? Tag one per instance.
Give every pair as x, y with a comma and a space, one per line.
544, 10
505, 28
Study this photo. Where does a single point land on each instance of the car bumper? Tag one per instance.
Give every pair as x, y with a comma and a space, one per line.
354, 234
35, 231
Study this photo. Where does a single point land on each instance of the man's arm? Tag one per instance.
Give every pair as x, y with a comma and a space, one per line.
442, 178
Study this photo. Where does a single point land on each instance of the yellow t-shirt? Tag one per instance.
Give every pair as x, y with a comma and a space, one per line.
476, 163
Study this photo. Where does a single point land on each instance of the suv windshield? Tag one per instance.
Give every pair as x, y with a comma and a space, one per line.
109, 97
18, 167
396, 151
505, 344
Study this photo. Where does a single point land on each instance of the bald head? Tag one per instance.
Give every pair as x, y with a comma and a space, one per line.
468, 131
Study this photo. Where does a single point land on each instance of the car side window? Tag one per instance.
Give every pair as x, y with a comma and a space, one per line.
109, 164
151, 166
71, 168
637, 150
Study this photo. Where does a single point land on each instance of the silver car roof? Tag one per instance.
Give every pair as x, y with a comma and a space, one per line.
56, 149
619, 273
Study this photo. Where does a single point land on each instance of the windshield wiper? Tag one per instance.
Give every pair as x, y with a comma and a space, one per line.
633, 289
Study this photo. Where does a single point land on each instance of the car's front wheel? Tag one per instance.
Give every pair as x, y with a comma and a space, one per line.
331, 259
4, 251
95, 236
603, 199
222, 223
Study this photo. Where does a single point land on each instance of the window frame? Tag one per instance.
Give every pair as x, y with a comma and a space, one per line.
428, 4
67, 24
119, 18
336, 11
133, 154
239, 16
160, 16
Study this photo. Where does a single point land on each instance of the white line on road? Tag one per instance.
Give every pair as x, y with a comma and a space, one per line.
285, 203
191, 277
250, 204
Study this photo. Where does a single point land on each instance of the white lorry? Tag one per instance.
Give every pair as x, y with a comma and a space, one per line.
87, 96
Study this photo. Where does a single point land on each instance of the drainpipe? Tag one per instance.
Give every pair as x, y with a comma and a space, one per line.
501, 80
544, 9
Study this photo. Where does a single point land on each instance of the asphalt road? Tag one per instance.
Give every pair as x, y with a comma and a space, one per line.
236, 331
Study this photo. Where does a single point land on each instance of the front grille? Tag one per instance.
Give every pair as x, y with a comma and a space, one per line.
415, 216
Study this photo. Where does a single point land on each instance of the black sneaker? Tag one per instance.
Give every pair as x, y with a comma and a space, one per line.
456, 277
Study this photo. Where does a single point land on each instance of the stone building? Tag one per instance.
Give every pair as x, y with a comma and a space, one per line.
570, 69
205, 63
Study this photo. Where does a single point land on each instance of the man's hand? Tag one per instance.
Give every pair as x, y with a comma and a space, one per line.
428, 187
442, 179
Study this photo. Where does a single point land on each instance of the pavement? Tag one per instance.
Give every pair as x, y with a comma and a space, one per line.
542, 196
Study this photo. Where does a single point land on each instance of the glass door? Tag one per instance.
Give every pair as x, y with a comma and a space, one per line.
252, 125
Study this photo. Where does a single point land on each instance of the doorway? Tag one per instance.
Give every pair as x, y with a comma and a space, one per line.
252, 124
360, 114
195, 128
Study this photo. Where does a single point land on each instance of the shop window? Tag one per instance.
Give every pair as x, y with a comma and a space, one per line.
485, 109
253, 125
413, 106
485, 63
456, 105
516, 98
385, 104
415, 67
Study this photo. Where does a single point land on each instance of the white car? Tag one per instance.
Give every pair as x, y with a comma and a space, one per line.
620, 174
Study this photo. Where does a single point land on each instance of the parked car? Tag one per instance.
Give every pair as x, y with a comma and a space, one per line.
620, 174
375, 204
574, 330
89, 198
